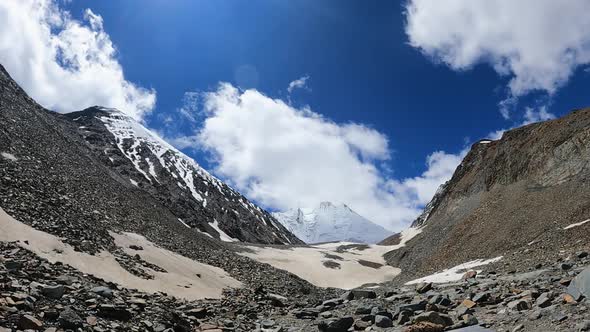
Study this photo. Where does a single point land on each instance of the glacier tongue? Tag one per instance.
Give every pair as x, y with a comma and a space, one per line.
330, 222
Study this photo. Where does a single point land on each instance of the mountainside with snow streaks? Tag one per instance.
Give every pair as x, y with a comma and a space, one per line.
329, 222
197, 198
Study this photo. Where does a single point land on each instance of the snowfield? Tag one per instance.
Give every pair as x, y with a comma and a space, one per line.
357, 264
181, 271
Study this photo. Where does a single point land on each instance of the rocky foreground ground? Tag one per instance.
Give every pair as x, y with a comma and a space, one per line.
36, 295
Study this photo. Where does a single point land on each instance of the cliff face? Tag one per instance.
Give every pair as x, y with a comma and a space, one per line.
511, 197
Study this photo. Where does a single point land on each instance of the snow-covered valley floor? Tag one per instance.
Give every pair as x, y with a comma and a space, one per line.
341, 264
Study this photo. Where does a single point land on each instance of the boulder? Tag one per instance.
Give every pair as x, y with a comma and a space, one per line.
28, 322
69, 319
103, 291
356, 294
336, 324
423, 287
383, 321
434, 318
53, 291
580, 285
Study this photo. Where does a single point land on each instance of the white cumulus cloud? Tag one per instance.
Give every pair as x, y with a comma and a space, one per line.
65, 64
285, 157
538, 44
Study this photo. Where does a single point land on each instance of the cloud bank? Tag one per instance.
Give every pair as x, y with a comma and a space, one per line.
538, 44
64, 64
284, 157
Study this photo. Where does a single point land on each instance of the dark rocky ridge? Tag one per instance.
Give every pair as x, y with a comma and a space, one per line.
510, 197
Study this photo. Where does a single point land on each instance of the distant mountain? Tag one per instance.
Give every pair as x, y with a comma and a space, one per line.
329, 222
198, 199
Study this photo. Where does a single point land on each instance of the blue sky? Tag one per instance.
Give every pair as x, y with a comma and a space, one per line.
368, 62
356, 53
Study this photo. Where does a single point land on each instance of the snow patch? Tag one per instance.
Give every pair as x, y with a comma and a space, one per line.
454, 273
133, 182
222, 235
308, 263
8, 156
184, 223
576, 224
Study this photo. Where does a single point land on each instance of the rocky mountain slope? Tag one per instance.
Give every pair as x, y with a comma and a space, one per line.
96, 205
525, 196
197, 198
53, 180
329, 222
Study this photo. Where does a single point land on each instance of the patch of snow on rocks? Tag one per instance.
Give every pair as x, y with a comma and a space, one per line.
222, 235
454, 273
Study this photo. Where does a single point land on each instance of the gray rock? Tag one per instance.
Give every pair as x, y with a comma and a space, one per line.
53, 291
362, 294
336, 325
535, 315
28, 322
363, 310
199, 313
326, 314
580, 285
404, 317
469, 320
435, 318
544, 300
518, 305
423, 287
277, 300
383, 321
518, 328
481, 297
267, 323
583, 326
103, 291
69, 319
332, 303
306, 313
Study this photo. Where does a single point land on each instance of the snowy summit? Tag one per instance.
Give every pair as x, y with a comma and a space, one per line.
330, 222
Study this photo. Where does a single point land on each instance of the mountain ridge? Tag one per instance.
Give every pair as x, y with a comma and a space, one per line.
531, 182
195, 196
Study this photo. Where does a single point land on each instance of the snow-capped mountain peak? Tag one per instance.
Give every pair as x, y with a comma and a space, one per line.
330, 222
198, 199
